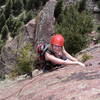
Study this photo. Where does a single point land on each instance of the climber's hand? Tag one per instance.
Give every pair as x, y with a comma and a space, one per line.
81, 64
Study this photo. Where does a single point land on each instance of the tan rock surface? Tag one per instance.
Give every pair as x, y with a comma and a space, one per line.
68, 83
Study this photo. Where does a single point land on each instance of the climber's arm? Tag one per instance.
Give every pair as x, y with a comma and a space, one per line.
68, 55
55, 60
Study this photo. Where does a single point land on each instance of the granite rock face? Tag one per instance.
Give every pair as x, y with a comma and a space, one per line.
45, 22
67, 83
39, 29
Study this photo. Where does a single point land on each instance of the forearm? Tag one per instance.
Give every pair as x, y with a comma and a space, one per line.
55, 60
68, 62
74, 59
64, 62
69, 56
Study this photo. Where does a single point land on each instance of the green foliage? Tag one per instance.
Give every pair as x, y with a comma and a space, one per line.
2, 20
98, 38
13, 74
25, 2
58, 9
2, 2
18, 6
22, 16
2, 77
98, 28
28, 17
8, 8
1, 11
44, 2
15, 13
86, 57
99, 4
4, 32
2, 43
10, 23
74, 42
82, 5
13, 25
16, 28
35, 4
30, 4
25, 59
74, 26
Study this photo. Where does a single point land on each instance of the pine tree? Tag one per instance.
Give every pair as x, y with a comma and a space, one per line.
98, 4
25, 3
2, 2
82, 5
4, 32
44, 2
1, 44
30, 4
74, 26
22, 16
58, 9
8, 8
2, 20
13, 25
10, 23
18, 6
29, 16
16, 28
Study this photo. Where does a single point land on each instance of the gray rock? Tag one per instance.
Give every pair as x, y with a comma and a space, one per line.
39, 29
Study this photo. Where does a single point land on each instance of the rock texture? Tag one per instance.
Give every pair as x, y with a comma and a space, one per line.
45, 22
68, 83
90, 4
39, 29
9, 51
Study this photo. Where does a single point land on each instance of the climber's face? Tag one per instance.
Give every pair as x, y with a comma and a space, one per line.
56, 48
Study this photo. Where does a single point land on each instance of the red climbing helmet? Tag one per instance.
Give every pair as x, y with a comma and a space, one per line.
57, 39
